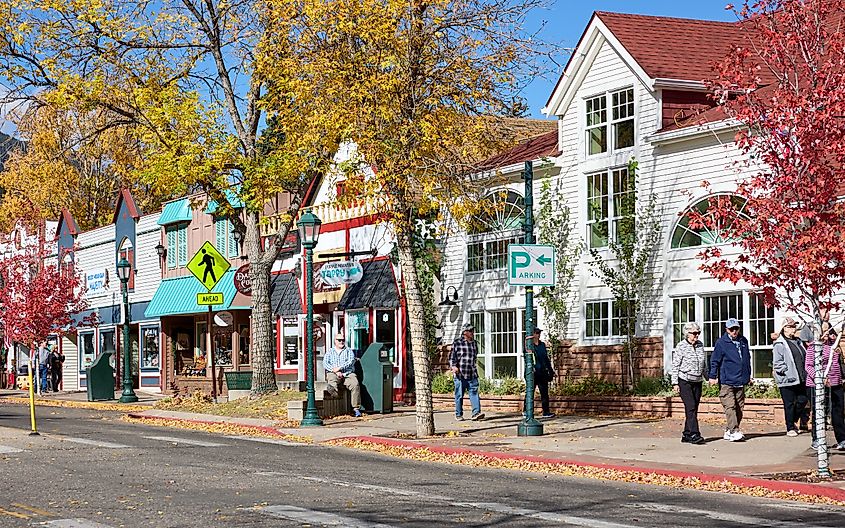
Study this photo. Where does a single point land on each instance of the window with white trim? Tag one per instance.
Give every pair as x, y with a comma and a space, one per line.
707, 230
604, 214
477, 321
621, 122
604, 319
493, 229
503, 343
761, 326
683, 312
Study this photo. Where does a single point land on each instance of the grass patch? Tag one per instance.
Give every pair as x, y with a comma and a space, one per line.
272, 406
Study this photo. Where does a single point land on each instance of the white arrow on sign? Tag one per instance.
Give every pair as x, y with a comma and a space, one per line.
531, 265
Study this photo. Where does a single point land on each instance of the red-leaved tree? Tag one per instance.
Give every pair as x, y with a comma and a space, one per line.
37, 299
786, 84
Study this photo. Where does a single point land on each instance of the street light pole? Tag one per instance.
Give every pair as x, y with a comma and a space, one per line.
529, 426
309, 229
123, 271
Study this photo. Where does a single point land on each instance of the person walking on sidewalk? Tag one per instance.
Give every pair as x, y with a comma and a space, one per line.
339, 363
43, 365
730, 367
688, 369
543, 372
788, 359
56, 360
832, 376
462, 362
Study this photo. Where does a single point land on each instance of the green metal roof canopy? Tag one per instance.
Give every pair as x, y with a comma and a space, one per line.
179, 296
174, 212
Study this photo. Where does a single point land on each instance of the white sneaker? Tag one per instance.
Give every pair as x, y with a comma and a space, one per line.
792, 432
737, 435
728, 436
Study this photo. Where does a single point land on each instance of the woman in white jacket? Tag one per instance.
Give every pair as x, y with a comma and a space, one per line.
689, 365
788, 356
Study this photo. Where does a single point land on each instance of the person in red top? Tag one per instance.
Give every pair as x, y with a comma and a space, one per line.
832, 378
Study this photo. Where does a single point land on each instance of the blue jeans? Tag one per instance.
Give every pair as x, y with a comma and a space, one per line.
42, 373
462, 386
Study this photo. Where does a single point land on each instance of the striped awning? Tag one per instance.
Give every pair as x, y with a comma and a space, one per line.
179, 296
175, 212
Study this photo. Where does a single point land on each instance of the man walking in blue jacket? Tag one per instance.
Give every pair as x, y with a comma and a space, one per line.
731, 364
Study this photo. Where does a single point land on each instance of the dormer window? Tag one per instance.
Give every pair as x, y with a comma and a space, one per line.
621, 122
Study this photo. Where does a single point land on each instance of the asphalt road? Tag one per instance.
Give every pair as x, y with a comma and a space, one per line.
90, 470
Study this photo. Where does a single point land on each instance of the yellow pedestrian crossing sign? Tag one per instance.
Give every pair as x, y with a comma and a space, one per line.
208, 265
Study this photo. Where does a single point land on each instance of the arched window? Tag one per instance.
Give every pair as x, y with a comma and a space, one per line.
714, 232
127, 251
500, 211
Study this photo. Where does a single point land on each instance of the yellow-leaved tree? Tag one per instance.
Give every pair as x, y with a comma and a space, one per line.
70, 163
415, 85
180, 77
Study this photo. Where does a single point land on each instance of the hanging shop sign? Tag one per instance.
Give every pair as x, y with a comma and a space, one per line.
223, 319
343, 272
242, 282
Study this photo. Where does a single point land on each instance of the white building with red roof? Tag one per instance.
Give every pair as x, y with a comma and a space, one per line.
634, 88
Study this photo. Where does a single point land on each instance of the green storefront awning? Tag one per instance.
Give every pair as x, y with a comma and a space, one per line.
179, 296
175, 212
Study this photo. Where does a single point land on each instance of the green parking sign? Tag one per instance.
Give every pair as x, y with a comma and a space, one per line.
531, 265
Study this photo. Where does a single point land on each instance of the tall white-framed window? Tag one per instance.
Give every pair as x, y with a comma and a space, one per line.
603, 213
615, 131
757, 323
503, 343
477, 321
493, 229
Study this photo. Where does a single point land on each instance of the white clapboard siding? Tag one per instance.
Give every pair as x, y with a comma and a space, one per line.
148, 276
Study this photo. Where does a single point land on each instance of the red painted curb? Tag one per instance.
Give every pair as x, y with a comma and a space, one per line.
264, 428
773, 485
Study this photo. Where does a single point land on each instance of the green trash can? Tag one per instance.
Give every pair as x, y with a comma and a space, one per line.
100, 382
377, 379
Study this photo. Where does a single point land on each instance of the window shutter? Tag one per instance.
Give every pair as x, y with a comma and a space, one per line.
171, 247
183, 245
220, 235
233, 246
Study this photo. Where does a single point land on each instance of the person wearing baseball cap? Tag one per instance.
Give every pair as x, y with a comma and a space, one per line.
730, 368
543, 372
462, 362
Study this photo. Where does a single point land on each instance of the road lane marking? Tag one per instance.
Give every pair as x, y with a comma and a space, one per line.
75, 523
175, 440
9, 449
97, 443
312, 517
33, 509
487, 506
275, 441
734, 518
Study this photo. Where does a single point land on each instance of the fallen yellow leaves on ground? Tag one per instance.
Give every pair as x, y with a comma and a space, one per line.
98, 406
272, 406
425, 454
218, 428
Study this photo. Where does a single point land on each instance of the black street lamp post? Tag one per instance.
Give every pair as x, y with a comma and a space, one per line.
123, 271
309, 232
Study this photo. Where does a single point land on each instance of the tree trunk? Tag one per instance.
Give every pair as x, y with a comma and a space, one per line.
416, 325
261, 343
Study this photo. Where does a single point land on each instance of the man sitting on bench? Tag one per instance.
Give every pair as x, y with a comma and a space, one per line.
339, 363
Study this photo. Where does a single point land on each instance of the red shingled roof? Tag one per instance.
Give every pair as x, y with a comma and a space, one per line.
544, 145
674, 48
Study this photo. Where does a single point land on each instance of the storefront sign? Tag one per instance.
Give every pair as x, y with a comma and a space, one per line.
223, 319
242, 282
97, 281
344, 272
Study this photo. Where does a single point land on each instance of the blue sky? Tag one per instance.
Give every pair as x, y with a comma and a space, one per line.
566, 20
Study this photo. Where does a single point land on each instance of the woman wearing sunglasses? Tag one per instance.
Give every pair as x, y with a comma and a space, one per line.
688, 371
788, 357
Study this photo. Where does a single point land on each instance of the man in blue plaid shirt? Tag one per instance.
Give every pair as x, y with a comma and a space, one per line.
462, 361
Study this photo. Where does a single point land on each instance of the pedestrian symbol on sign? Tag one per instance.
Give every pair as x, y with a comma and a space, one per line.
208, 265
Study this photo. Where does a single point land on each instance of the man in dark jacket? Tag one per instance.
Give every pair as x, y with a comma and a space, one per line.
543, 372
731, 364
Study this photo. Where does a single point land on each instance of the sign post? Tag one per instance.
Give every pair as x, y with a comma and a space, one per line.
208, 266
530, 265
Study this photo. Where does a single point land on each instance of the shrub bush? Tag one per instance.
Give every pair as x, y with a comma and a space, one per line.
661, 386
590, 386
485, 386
509, 387
442, 383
